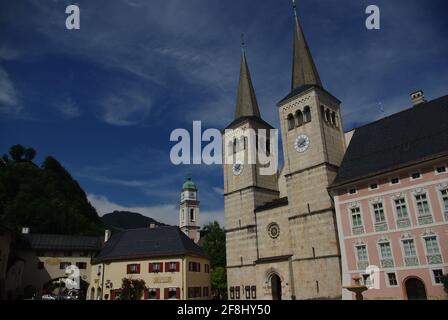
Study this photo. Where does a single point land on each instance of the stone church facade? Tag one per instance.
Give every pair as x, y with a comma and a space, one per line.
281, 229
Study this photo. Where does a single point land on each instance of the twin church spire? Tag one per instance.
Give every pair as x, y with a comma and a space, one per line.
304, 72
246, 102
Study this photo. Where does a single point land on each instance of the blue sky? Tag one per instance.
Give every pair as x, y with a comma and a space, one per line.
104, 99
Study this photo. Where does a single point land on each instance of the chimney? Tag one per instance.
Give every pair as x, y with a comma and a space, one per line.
25, 230
152, 225
107, 234
418, 97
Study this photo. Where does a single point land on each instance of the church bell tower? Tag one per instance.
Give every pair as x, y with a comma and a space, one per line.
189, 210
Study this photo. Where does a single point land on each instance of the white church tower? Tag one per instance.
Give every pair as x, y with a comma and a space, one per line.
189, 210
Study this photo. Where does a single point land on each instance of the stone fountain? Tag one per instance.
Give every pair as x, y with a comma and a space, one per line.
357, 288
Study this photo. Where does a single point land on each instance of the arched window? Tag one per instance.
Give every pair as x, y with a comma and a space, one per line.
291, 123
327, 115
234, 145
333, 118
92, 293
307, 114
230, 147
241, 144
299, 118
191, 214
322, 110
98, 294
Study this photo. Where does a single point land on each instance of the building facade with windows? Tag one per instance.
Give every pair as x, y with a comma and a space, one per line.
170, 263
391, 198
46, 259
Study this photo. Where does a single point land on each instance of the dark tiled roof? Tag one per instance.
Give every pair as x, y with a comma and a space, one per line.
62, 242
304, 88
249, 118
146, 243
273, 204
407, 137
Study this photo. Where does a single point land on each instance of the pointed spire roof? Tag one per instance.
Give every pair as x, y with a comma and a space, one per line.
304, 71
246, 102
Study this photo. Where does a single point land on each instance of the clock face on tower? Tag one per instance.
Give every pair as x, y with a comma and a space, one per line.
301, 143
237, 168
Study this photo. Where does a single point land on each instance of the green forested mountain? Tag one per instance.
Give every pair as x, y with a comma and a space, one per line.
46, 198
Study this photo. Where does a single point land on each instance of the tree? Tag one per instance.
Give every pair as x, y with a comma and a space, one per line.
219, 282
4, 160
29, 154
132, 289
47, 199
17, 151
215, 244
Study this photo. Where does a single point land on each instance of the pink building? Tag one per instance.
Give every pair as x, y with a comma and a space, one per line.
391, 199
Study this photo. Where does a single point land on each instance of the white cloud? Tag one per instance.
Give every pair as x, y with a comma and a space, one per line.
210, 216
219, 191
125, 108
114, 181
166, 213
68, 108
7, 53
9, 97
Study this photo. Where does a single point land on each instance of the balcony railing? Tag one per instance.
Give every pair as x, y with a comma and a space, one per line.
403, 223
411, 261
434, 258
381, 226
358, 230
387, 263
362, 265
426, 219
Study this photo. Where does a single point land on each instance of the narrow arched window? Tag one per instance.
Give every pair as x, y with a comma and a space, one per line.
299, 118
307, 114
234, 145
241, 144
230, 147
291, 123
191, 214
322, 111
327, 115
333, 118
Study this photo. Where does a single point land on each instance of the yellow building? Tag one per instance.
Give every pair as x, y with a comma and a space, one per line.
170, 263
